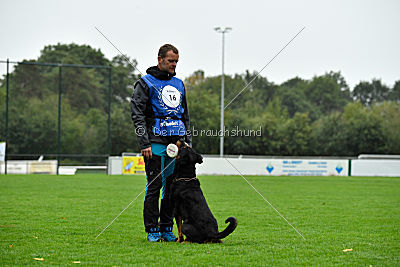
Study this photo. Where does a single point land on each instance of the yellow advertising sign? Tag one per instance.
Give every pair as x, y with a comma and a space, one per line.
132, 165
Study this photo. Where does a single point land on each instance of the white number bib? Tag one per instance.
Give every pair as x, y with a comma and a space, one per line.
171, 96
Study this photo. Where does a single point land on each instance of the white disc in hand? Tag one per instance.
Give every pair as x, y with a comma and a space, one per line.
172, 150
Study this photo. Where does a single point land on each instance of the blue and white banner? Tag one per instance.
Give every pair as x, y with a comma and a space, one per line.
274, 167
308, 167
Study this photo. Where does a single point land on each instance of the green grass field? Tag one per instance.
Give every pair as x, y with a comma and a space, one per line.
58, 217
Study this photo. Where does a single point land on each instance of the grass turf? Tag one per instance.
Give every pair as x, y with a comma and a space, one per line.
58, 217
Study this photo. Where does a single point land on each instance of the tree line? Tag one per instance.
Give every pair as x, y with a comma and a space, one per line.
316, 117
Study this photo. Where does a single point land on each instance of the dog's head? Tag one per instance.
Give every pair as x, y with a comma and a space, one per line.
185, 166
187, 155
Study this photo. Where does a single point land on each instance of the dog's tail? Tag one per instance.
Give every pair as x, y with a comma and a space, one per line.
229, 229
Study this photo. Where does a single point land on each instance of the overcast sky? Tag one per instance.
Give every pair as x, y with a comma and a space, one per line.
358, 38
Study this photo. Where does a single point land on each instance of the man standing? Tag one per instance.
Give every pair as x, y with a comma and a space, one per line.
160, 115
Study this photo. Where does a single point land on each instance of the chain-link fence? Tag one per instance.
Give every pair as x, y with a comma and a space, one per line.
59, 111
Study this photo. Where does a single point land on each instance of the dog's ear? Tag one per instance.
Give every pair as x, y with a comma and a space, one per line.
184, 156
191, 155
199, 158
195, 157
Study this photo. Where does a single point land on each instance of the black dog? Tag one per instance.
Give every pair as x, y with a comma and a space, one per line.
190, 206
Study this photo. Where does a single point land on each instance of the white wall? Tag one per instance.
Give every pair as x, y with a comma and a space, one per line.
29, 166
375, 167
114, 165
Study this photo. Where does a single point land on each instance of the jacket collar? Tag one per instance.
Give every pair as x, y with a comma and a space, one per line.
160, 74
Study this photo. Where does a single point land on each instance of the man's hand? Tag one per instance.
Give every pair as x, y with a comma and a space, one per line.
147, 153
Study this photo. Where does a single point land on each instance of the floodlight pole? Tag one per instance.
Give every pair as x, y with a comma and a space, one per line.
109, 113
221, 143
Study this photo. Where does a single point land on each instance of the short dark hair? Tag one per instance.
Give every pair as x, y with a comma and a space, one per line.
162, 52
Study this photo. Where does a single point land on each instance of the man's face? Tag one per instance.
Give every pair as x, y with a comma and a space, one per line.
169, 62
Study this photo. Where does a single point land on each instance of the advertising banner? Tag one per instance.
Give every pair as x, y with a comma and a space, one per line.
274, 167
132, 165
307, 167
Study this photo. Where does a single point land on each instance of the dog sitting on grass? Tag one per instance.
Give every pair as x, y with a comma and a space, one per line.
193, 217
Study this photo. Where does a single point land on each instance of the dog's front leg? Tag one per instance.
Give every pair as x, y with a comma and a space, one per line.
178, 220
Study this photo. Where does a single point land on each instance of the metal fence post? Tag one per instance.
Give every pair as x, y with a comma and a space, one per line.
6, 137
59, 118
349, 167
